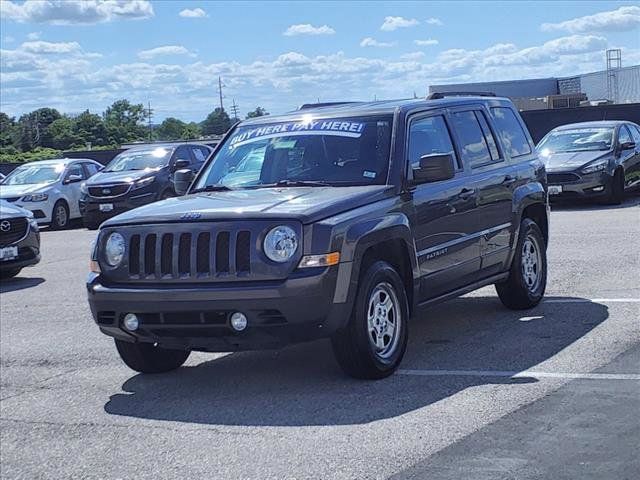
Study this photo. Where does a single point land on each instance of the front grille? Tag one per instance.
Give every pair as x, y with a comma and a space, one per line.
12, 230
107, 191
560, 178
195, 254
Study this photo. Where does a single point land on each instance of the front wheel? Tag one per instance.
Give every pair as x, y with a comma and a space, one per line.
527, 281
60, 215
148, 358
615, 189
374, 341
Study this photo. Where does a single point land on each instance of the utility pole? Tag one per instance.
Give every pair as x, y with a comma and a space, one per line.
234, 109
149, 122
220, 92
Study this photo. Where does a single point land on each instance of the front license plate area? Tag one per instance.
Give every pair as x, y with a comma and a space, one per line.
8, 253
106, 207
555, 189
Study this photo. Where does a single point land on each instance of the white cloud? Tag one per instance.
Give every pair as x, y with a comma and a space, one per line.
8, 39
415, 56
372, 42
86, 12
40, 46
34, 35
308, 29
163, 51
434, 21
393, 23
624, 18
426, 43
193, 13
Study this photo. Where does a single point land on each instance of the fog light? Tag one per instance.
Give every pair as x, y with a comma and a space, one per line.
131, 322
238, 321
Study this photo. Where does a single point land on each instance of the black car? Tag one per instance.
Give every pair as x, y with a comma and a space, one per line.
19, 240
592, 160
341, 221
136, 177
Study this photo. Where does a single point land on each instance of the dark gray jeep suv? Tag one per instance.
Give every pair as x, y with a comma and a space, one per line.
338, 221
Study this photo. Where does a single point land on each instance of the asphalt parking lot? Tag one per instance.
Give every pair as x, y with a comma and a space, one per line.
485, 393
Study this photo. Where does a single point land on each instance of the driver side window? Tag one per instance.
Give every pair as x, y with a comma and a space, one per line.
428, 136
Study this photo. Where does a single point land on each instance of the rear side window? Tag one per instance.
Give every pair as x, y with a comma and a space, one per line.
473, 144
200, 153
92, 168
510, 131
428, 136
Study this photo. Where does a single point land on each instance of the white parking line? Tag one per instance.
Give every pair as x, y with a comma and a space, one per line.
522, 374
592, 300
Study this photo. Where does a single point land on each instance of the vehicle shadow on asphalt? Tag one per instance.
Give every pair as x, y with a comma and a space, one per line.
19, 283
302, 385
580, 205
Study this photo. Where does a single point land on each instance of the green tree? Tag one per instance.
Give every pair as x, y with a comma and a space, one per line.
8, 131
258, 112
33, 128
90, 128
216, 123
124, 122
171, 129
63, 135
191, 131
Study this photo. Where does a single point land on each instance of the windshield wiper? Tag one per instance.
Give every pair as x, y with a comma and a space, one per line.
216, 187
298, 183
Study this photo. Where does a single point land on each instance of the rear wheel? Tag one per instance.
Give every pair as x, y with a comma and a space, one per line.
615, 189
148, 358
527, 281
9, 273
373, 343
60, 215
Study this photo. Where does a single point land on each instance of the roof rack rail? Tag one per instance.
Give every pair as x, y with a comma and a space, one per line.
306, 106
438, 95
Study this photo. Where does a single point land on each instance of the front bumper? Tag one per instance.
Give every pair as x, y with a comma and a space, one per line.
578, 185
28, 252
90, 206
42, 211
195, 317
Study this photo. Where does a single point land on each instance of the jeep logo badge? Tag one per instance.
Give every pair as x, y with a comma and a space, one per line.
190, 216
5, 226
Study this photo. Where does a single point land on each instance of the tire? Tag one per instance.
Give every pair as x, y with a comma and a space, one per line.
527, 281
381, 302
60, 215
147, 358
615, 189
9, 273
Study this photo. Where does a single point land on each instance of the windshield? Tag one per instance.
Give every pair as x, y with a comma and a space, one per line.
340, 151
152, 159
34, 174
577, 140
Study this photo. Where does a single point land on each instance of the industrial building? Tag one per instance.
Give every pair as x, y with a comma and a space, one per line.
616, 85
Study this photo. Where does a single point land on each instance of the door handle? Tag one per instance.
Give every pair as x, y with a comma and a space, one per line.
509, 179
466, 193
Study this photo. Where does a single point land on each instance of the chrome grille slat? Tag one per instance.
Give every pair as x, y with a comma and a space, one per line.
158, 266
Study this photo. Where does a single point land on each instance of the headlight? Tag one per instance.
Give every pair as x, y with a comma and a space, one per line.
83, 188
36, 197
595, 167
143, 183
114, 249
280, 244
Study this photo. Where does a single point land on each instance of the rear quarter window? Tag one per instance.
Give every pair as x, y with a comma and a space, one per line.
511, 132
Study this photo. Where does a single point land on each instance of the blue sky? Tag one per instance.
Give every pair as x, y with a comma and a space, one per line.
74, 56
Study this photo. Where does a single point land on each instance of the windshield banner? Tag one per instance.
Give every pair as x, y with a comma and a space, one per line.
318, 127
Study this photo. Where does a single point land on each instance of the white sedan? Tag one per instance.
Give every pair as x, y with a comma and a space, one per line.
49, 188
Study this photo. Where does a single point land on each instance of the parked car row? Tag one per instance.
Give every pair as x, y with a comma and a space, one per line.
58, 191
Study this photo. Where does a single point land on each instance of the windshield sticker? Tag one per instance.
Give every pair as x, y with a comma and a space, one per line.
369, 174
318, 127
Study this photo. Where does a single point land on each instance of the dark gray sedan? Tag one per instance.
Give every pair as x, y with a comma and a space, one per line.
592, 159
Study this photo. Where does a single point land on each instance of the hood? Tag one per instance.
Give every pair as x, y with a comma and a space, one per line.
306, 204
126, 176
8, 191
571, 160
8, 210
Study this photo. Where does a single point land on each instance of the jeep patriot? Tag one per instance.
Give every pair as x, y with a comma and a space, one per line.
337, 220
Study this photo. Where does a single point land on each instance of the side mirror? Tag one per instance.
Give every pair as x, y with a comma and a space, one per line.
73, 179
627, 145
181, 163
434, 167
182, 180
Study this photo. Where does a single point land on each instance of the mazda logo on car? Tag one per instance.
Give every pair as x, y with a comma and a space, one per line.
5, 226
